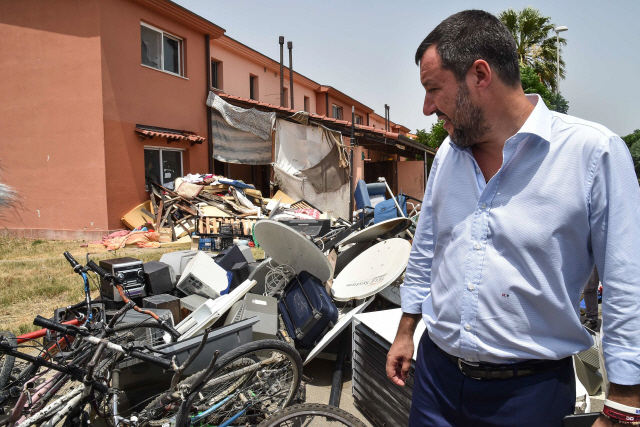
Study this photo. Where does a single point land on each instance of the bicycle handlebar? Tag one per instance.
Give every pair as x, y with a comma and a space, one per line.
54, 326
73, 331
102, 272
163, 363
74, 264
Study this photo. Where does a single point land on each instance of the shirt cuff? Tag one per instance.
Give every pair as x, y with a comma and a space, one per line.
622, 364
412, 298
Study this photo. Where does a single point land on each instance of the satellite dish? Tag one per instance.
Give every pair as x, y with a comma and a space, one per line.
389, 228
392, 292
372, 270
286, 246
335, 331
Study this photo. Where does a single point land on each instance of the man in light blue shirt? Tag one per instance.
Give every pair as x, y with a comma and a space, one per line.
520, 203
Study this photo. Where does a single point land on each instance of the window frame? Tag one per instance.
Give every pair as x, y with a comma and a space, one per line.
306, 104
358, 119
253, 87
336, 110
161, 149
180, 47
217, 74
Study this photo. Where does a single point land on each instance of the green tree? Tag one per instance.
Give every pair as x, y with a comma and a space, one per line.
536, 42
531, 83
435, 138
632, 138
633, 142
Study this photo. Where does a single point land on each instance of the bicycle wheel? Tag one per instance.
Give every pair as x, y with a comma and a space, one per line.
312, 415
6, 361
251, 383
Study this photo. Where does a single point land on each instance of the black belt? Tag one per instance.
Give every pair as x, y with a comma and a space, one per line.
494, 371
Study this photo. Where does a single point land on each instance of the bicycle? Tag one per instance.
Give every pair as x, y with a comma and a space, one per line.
73, 402
23, 384
312, 414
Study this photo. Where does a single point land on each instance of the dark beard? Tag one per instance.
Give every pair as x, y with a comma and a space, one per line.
468, 122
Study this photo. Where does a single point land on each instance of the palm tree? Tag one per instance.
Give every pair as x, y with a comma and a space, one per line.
536, 42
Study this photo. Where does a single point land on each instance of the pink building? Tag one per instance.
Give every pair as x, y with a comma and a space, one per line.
100, 94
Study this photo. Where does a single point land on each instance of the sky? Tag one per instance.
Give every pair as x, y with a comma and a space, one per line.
365, 48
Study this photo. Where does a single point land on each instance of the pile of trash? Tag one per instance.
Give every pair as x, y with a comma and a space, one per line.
209, 212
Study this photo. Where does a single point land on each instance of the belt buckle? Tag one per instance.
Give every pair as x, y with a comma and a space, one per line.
462, 362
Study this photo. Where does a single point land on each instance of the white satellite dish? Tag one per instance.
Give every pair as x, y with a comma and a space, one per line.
335, 331
392, 292
286, 246
372, 270
390, 228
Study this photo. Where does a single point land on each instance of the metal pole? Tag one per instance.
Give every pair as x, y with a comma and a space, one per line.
207, 42
336, 381
281, 41
290, 46
557, 63
353, 145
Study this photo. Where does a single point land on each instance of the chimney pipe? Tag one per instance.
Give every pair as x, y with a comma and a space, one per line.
386, 126
281, 41
290, 46
388, 118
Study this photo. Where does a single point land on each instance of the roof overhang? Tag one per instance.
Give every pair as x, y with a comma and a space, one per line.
150, 132
183, 16
366, 136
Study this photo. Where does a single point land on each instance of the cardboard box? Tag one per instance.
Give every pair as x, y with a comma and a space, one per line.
136, 218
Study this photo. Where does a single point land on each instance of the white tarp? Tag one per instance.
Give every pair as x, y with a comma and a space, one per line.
251, 120
299, 147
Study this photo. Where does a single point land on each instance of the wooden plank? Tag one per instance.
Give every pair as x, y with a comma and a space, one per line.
165, 216
159, 216
154, 204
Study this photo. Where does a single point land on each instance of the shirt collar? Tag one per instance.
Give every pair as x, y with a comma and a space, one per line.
538, 123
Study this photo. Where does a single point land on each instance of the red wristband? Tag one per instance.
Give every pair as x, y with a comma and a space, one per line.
621, 417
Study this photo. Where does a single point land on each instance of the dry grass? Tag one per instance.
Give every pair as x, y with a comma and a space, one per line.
36, 279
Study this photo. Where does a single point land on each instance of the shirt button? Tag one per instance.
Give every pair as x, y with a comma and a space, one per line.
471, 287
467, 327
478, 170
477, 246
484, 206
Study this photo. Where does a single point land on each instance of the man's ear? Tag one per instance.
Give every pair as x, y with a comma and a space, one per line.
479, 75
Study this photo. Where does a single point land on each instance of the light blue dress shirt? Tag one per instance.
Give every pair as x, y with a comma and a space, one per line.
497, 268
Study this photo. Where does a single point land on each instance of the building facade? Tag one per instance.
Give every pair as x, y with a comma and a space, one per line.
100, 95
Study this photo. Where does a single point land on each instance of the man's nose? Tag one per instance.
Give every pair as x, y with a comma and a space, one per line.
429, 106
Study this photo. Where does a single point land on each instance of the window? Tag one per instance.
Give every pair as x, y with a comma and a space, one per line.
162, 166
358, 120
337, 112
216, 74
306, 104
253, 87
161, 50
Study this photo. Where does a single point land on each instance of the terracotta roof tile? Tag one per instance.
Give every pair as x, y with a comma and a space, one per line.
174, 135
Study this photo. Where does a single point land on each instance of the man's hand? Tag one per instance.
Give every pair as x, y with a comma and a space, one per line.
401, 352
399, 359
